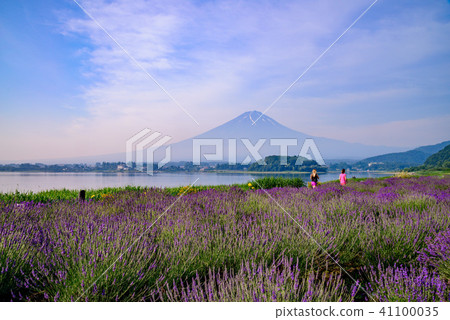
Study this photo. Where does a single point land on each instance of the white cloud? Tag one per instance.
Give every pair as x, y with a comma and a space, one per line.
214, 58
222, 58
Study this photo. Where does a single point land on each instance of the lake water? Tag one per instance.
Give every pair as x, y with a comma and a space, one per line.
22, 181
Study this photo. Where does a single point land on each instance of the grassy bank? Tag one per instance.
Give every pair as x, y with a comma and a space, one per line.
104, 193
439, 173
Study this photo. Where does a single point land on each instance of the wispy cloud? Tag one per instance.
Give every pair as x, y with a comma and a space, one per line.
225, 58
222, 58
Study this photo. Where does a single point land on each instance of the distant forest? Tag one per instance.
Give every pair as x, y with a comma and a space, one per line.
274, 164
437, 161
400, 160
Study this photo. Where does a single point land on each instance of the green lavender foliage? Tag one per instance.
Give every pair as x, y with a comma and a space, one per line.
230, 243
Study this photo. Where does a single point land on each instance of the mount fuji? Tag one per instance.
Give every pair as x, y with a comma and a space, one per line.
245, 127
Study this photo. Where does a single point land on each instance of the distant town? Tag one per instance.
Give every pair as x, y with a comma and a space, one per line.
183, 166
426, 157
271, 164
117, 167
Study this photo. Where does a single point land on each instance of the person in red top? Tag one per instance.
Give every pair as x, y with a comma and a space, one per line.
343, 178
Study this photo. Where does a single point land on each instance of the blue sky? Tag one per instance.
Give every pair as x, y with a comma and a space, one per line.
66, 89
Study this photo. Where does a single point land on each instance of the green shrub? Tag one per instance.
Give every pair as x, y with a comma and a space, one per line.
277, 182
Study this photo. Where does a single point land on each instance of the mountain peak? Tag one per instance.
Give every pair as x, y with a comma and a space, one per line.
254, 112
254, 117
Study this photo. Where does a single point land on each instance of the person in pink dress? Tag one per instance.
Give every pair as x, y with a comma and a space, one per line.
343, 178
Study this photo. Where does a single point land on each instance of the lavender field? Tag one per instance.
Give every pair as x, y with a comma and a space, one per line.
392, 236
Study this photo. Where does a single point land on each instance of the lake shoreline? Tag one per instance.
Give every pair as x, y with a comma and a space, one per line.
299, 172
24, 182
192, 172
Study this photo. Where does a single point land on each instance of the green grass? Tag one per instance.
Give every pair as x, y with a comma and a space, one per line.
63, 194
187, 189
357, 179
66, 194
277, 182
432, 172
